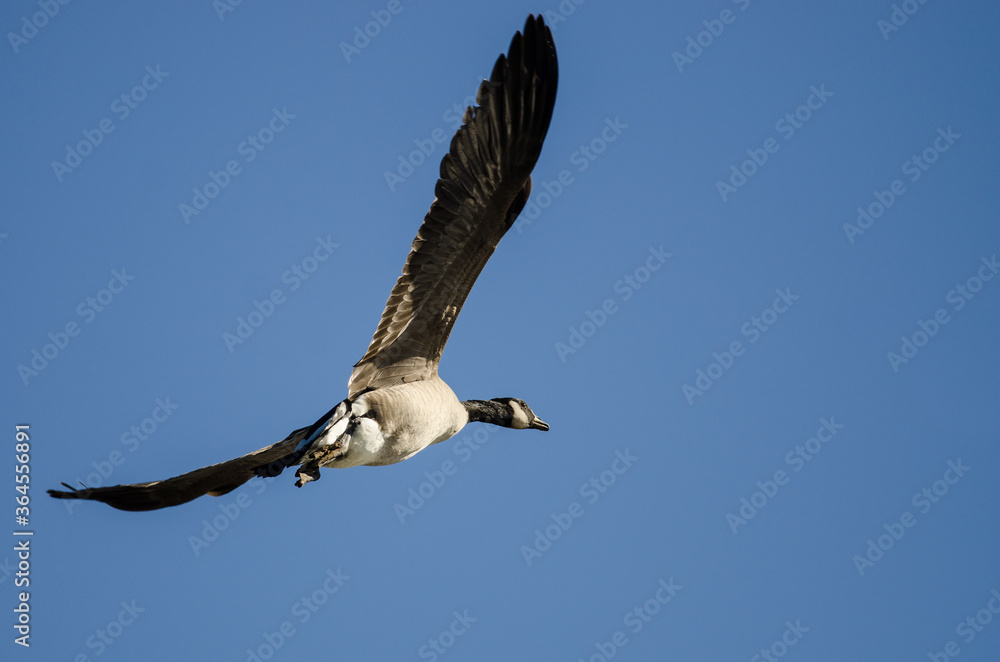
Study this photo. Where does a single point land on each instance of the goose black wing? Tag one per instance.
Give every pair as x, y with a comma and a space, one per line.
215, 480
485, 182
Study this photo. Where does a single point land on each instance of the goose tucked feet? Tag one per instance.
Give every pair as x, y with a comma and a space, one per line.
321, 457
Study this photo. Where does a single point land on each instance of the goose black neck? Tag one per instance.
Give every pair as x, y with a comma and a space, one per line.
489, 411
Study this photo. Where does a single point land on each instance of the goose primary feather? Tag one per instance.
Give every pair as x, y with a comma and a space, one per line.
396, 404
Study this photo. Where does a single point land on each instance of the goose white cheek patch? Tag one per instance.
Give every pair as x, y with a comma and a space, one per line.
520, 419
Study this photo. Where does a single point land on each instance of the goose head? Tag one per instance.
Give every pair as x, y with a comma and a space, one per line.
505, 412
521, 416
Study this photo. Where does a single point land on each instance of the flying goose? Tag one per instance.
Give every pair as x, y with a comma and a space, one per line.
396, 404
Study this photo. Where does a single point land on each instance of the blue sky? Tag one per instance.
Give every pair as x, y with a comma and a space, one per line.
754, 296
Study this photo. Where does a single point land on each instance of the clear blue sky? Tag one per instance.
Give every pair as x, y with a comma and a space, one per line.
741, 438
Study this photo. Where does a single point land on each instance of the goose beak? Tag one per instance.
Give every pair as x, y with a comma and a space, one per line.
539, 424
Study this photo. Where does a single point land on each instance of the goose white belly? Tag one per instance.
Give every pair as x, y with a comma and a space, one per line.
395, 423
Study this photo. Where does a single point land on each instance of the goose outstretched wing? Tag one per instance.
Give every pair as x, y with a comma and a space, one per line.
216, 480
485, 182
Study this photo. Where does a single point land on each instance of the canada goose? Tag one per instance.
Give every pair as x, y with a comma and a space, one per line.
396, 404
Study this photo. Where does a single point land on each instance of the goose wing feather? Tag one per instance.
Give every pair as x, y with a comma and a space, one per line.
485, 182
216, 480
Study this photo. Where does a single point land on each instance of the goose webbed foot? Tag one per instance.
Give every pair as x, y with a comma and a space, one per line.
322, 457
